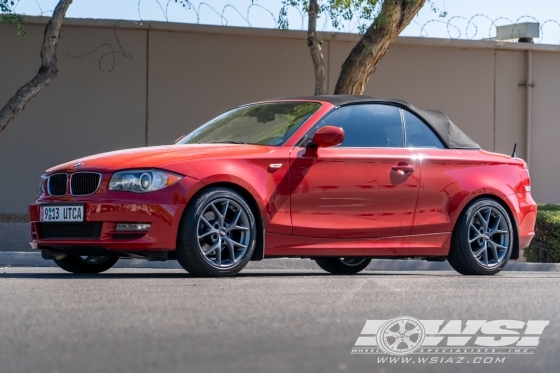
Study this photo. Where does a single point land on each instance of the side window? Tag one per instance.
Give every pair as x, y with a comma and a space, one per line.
370, 125
418, 134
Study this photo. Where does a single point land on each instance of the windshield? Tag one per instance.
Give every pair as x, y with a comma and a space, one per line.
261, 124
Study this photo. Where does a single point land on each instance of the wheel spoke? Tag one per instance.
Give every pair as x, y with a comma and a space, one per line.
407, 341
476, 238
474, 228
217, 213
206, 234
233, 243
396, 343
402, 326
498, 246
496, 225
219, 253
206, 222
483, 221
485, 256
390, 333
224, 213
487, 218
493, 250
213, 248
231, 250
416, 330
480, 251
236, 218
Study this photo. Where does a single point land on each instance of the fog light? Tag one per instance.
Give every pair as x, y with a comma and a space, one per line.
142, 227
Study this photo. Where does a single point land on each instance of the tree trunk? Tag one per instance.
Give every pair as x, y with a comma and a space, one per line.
316, 50
394, 16
47, 71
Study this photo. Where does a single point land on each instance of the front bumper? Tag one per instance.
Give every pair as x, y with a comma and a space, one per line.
162, 209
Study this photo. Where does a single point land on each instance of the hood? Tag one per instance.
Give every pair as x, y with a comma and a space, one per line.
158, 156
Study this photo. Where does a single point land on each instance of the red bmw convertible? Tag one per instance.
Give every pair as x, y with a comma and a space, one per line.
338, 179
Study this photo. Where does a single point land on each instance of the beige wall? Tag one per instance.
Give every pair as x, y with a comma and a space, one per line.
179, 76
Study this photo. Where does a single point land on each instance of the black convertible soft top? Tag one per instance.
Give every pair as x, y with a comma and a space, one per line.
448, 132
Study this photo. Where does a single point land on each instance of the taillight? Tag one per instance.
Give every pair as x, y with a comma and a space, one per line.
526, 179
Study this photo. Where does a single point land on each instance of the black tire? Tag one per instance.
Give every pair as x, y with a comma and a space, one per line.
343, 266
90, 264
463, 254
190, 247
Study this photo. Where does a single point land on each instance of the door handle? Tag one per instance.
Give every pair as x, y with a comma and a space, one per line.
404, 167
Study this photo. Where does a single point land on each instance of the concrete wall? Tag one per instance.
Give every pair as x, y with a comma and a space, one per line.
170, 78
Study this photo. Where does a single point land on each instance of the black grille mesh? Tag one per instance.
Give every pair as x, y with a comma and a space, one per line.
70, 230
57, 184
84, 183
128, 236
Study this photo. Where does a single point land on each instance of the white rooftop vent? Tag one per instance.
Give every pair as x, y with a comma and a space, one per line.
521, 32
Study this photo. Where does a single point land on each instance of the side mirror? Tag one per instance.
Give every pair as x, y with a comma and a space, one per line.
327, 136
179, 139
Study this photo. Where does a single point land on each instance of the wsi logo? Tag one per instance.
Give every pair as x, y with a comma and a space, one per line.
406, 335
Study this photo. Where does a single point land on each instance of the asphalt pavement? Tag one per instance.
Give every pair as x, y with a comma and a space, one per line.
163, 320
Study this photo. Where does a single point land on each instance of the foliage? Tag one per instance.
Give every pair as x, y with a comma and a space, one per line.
363, 12
545, 246
9, 16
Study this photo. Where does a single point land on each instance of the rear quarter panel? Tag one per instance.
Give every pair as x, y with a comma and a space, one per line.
451, 179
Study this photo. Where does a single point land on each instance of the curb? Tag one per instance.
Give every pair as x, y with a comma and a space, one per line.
34, 259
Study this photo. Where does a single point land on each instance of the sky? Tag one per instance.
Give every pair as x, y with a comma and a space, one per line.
466, 19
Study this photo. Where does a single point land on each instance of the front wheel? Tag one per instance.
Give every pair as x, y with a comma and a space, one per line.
343, 266
86, 264
218, 234
482, 240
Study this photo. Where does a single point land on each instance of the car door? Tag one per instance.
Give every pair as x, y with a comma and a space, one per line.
366, 187
439, 185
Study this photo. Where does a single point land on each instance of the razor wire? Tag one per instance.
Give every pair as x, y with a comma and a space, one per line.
476, 27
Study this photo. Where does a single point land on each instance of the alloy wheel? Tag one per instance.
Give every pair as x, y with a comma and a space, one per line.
489, 236
223, 233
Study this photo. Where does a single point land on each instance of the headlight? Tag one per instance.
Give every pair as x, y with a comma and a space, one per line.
142, 181
43, 184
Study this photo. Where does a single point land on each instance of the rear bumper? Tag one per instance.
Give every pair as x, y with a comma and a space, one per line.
525, 209
162, 209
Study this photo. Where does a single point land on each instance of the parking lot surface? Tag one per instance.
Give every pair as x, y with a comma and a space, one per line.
161, 320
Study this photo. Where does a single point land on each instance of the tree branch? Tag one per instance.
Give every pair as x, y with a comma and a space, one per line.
316, 50
47, 71
394, 16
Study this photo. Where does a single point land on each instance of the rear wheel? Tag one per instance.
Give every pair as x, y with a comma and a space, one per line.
343, 266
482, 239
217, 236
86, 264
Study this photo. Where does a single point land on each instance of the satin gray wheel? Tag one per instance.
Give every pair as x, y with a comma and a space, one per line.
218, 234
483, 239
224, 232
489, 236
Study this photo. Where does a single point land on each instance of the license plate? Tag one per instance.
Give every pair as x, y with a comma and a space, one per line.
68, 213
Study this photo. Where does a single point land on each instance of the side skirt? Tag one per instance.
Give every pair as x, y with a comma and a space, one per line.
437, 244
